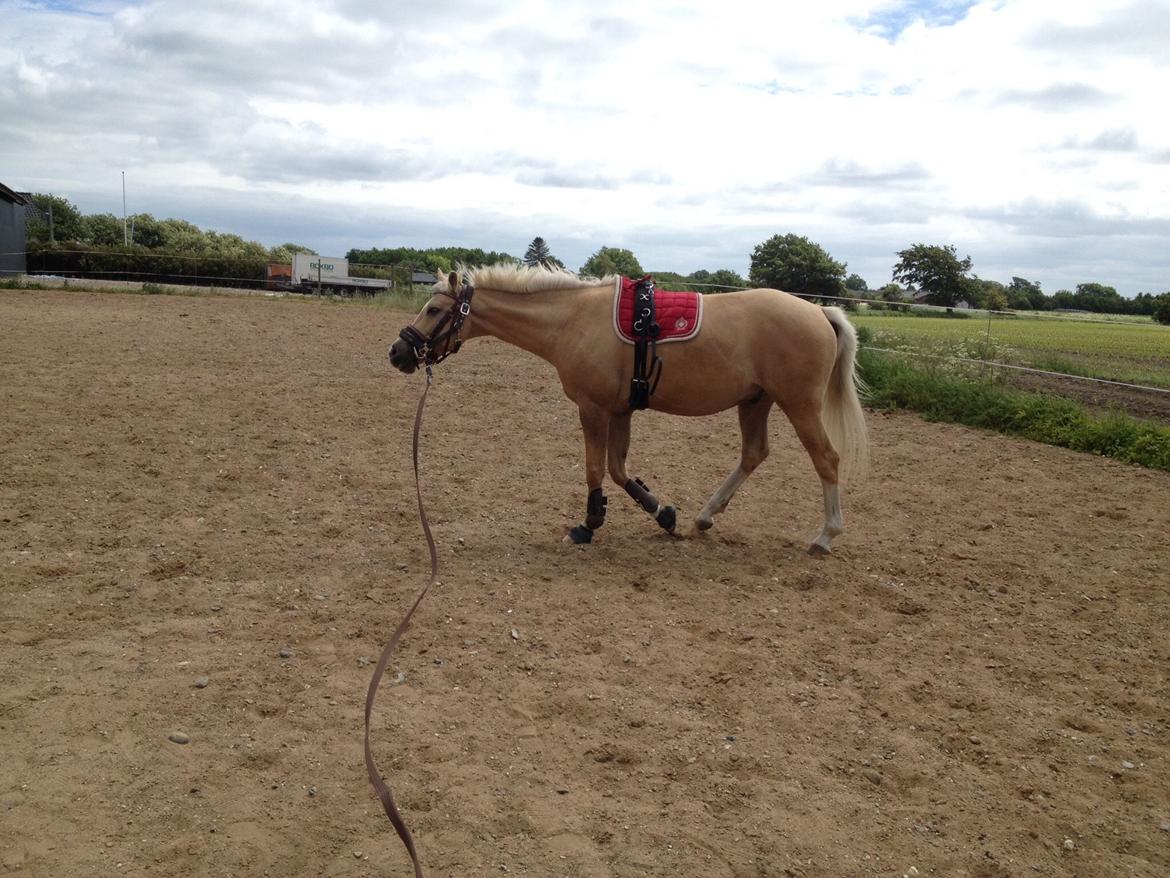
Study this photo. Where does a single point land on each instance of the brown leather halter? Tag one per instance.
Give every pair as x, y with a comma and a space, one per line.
426, 347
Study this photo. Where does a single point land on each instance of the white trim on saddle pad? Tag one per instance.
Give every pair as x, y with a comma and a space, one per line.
617, 298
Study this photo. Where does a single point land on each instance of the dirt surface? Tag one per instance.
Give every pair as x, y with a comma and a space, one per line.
974, 685
1151, 404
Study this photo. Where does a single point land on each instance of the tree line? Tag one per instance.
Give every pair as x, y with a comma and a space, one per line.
796, 264
63, 240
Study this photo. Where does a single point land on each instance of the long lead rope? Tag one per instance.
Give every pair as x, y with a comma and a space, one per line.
380, 786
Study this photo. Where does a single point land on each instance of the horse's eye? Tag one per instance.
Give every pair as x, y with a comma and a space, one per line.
432, 311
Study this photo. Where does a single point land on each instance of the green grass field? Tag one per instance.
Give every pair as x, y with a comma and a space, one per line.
902, 383
1137, 353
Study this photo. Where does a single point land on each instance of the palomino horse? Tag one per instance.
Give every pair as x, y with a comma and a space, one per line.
757, 348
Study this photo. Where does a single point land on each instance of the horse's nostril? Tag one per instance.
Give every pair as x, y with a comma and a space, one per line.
400, 358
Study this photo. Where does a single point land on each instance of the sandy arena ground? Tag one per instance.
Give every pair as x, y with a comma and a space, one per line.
974, 685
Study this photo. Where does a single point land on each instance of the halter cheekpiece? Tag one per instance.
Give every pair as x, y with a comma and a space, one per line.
444, 339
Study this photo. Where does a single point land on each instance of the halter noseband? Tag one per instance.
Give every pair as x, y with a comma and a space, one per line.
425, 348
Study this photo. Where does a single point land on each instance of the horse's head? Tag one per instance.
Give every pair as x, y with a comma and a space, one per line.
434, 334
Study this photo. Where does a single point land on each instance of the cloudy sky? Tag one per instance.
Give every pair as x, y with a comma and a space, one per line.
1031, 134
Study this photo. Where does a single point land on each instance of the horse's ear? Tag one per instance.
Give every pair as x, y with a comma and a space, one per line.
453, 282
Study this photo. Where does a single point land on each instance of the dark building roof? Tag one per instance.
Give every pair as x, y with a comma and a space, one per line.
14, 197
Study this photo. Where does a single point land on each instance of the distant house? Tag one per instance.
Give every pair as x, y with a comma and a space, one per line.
13, 241
920, 297
424, 277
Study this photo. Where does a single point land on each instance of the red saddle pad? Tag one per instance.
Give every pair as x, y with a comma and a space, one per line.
679, 315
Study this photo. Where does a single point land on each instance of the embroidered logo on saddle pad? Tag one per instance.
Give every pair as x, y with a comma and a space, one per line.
679, 315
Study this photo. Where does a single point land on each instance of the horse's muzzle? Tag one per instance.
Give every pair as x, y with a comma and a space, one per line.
402, 357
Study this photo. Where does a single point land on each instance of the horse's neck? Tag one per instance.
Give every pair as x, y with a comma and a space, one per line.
536, 322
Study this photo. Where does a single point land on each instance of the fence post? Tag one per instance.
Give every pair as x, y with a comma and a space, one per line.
987, 345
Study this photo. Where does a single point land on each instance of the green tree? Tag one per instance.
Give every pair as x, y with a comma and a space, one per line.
856, 283
147, 231
1162, 309
672, 280
989, 294
1142, 303
895, 295
435, 258
284, 252
796, 264
1025, 295
539, 254
702, 281
54, 219
1099, 298
184, 237
102, 230
723, 277
936, 270
612, 260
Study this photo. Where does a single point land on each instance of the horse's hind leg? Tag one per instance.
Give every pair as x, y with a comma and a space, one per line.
811, 432
753, 427
619, 447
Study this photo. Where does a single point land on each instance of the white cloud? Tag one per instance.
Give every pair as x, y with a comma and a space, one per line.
1029, 134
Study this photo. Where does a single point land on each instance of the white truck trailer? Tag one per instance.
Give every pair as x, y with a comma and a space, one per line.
312, 273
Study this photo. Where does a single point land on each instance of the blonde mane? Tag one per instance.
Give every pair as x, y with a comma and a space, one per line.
514, 277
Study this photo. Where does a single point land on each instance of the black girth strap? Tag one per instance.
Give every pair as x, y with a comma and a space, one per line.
647, 365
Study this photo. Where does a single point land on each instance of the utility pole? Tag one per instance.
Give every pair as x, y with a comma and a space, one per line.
125, 236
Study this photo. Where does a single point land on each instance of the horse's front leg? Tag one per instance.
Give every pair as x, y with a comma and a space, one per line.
595, 426
619, 447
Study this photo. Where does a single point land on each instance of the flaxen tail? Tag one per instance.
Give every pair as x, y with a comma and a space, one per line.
843, 416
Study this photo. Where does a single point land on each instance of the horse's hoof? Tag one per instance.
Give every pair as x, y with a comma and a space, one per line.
667, 519
579, 535
816, 550
704, 523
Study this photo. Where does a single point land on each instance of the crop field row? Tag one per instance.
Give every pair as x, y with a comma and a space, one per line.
1135, 353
